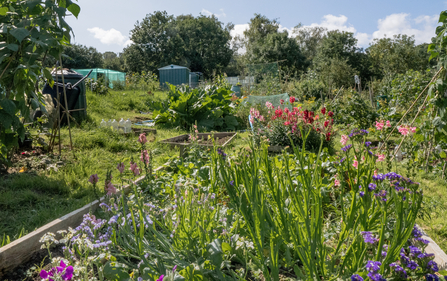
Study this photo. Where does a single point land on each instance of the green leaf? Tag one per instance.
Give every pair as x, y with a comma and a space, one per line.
231, 122
74, 9
443, 16
115, 271
13, 47
8, 106
19, 33
226, 248
3, 11
433, 55
49, 77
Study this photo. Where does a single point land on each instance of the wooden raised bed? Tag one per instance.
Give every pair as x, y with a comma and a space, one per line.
183, 141
138, 131
21, 250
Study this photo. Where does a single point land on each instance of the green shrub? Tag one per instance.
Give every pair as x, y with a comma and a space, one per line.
210, 108
308, 87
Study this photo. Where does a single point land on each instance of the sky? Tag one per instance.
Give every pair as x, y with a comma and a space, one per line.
106, 24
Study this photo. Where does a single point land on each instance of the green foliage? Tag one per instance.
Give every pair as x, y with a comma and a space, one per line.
99, 87
210, 108
307, 87
350, 108
391, 56
142, 81
200, 43
404, 88
31, 31
79, 56
264, 43
112, 61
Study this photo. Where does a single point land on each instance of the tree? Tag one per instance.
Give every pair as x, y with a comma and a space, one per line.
78, 56
200, 43
390, 56
341, 47
309, 38
206, 43
113, 61
264, 43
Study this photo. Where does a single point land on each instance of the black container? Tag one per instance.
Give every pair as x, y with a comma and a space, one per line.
76, 98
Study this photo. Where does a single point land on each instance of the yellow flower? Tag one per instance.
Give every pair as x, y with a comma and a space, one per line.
23, 170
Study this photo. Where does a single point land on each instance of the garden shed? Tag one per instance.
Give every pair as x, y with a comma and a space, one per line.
107, 74
174, 74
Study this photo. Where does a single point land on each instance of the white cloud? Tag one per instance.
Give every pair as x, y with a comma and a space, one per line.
108, 37
239, 29
422, 27
208, 13
332, 22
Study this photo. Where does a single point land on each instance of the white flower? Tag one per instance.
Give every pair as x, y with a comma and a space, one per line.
239, 244
249, 245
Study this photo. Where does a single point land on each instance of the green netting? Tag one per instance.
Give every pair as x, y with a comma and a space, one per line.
275, 100
107, 74
262, 69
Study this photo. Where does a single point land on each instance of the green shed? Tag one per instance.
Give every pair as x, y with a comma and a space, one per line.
173, 74
107, 74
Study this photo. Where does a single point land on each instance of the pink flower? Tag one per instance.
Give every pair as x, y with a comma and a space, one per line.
355, 164
261, 118
142, 139
379, 125
269, 105
195, 126
388, 124
110, 189
196, 131
404, 130
336, 182
344, 139
281, 101
413, 129
161, 278
134, 169
380, 157
145, 156
120, 167
93, 179
375, 172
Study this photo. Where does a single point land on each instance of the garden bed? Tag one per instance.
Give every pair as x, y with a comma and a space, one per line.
204, 139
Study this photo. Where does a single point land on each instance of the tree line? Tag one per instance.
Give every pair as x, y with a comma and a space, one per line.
204, 44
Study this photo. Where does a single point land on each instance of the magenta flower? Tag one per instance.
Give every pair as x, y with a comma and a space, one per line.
142, 139
161, 278
120, 167
66, 271
388, 124
404, 130
380, 157
93, 179
379, 125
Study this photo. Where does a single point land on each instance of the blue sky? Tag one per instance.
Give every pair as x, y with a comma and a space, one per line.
106, 25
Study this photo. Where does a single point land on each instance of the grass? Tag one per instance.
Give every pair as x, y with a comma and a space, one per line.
32, 199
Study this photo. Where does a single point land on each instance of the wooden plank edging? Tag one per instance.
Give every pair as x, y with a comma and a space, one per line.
21, 250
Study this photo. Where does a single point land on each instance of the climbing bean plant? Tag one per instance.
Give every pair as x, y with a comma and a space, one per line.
30, 32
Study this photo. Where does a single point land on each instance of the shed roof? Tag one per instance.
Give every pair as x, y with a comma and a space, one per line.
172, 66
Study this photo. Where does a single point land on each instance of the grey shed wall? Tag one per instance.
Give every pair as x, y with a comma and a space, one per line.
174, 76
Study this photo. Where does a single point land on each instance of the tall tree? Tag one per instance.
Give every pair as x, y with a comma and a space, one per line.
200, 43
390, 56
309, 38
113, 61
265, 43
79, 56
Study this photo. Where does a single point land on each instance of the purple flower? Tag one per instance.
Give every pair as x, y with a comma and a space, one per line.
373, 266
343, 159
414, 251
433, 266
375, 277
231, 182
175, 267
356, 277
412, 265
367, 143
431, 277
361, 193
369, 238
371, 186
346, 148
416, 232
161, 278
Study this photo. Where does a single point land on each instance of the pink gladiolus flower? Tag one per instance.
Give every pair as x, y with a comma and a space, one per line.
110, 189
120, 167
379, 125
269, 105
344, 139
134, 169
388, 124
375, 172
355, 164
142, 139
93, 179
161, 278
380, 157
336, 182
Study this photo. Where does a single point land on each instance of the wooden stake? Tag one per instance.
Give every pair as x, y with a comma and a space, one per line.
66, 104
